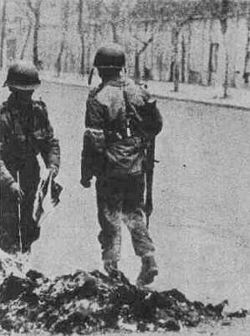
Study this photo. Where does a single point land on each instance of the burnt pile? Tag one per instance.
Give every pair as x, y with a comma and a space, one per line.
87, 302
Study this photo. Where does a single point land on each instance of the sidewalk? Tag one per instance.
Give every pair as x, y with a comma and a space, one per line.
238, 97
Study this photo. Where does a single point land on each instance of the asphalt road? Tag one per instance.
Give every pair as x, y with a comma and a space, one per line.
200, 223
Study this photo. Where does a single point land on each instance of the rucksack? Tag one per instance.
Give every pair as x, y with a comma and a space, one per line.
125, 155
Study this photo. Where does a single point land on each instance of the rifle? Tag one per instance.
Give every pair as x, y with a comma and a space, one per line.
150, 160
142, 124
19, 217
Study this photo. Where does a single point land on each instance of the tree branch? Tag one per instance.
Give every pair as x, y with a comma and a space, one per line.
36, 8
106, 8
145, 43
29, 4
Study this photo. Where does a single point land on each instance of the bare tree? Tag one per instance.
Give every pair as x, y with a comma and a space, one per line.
145, 44
224, 24
3, 31
228, 9
116, 13
25, 44
176, 14
65, 25
178, 18
114, 17
247, 49
34, 7
81, 34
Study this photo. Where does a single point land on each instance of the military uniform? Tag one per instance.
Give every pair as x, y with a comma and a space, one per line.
118, 197
121, 124
24, 133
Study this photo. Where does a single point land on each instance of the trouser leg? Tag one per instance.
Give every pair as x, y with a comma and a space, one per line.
109, 200
29, 179
135, 220
134, 216
29, 228
8, 221
9, 241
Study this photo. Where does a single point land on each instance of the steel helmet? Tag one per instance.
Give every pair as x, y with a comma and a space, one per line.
110, 56
23, 76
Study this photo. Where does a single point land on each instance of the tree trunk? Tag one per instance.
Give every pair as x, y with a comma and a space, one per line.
82, 64
137, 66
176, 63
114, 32
189, 51
58, 64
223, 22
64, 27
176, 76
26, 41
247, 52
183, 61
225, 84
82, 41
210, 40
35, 39
137, 74
3, 32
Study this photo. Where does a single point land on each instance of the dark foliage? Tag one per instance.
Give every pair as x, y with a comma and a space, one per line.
87, 302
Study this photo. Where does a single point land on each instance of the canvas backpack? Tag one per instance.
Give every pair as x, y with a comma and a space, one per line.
125, 153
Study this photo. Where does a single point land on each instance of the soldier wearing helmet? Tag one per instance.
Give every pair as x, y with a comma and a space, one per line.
25, 132
114, 147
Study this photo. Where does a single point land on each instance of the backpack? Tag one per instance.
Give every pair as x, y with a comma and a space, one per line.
125, 157
125, 153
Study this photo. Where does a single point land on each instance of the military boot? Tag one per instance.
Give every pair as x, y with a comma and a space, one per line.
110, 265
149, 270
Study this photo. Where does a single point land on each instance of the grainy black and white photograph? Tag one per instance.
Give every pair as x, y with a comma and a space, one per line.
125, 167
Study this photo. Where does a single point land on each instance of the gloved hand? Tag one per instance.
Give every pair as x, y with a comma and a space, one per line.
53, 170
17, 191
50, 171
85, 183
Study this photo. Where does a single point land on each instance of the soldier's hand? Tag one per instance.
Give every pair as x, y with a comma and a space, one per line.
85, 183
17, 191
53, 171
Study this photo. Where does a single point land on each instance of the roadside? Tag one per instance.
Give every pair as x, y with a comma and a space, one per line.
212, 95
201, 219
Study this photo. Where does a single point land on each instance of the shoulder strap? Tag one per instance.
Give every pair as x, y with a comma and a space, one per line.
132, 114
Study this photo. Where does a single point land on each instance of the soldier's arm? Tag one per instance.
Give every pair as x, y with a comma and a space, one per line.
5, 176
47, 143
86, 161
93, 141
155, 119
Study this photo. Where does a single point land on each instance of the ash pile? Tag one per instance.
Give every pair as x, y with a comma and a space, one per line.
88, 302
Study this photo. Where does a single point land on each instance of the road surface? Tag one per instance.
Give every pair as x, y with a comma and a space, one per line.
200, 223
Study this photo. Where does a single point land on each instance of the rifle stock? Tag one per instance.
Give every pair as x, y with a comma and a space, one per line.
149, 180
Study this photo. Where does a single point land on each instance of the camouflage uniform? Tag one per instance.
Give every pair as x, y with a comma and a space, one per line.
117, 197
24, 133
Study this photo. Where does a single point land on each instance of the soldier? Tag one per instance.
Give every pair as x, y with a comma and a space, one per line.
114, 147
25, 131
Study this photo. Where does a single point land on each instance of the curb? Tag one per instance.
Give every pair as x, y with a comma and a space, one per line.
162, 97
204, 102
